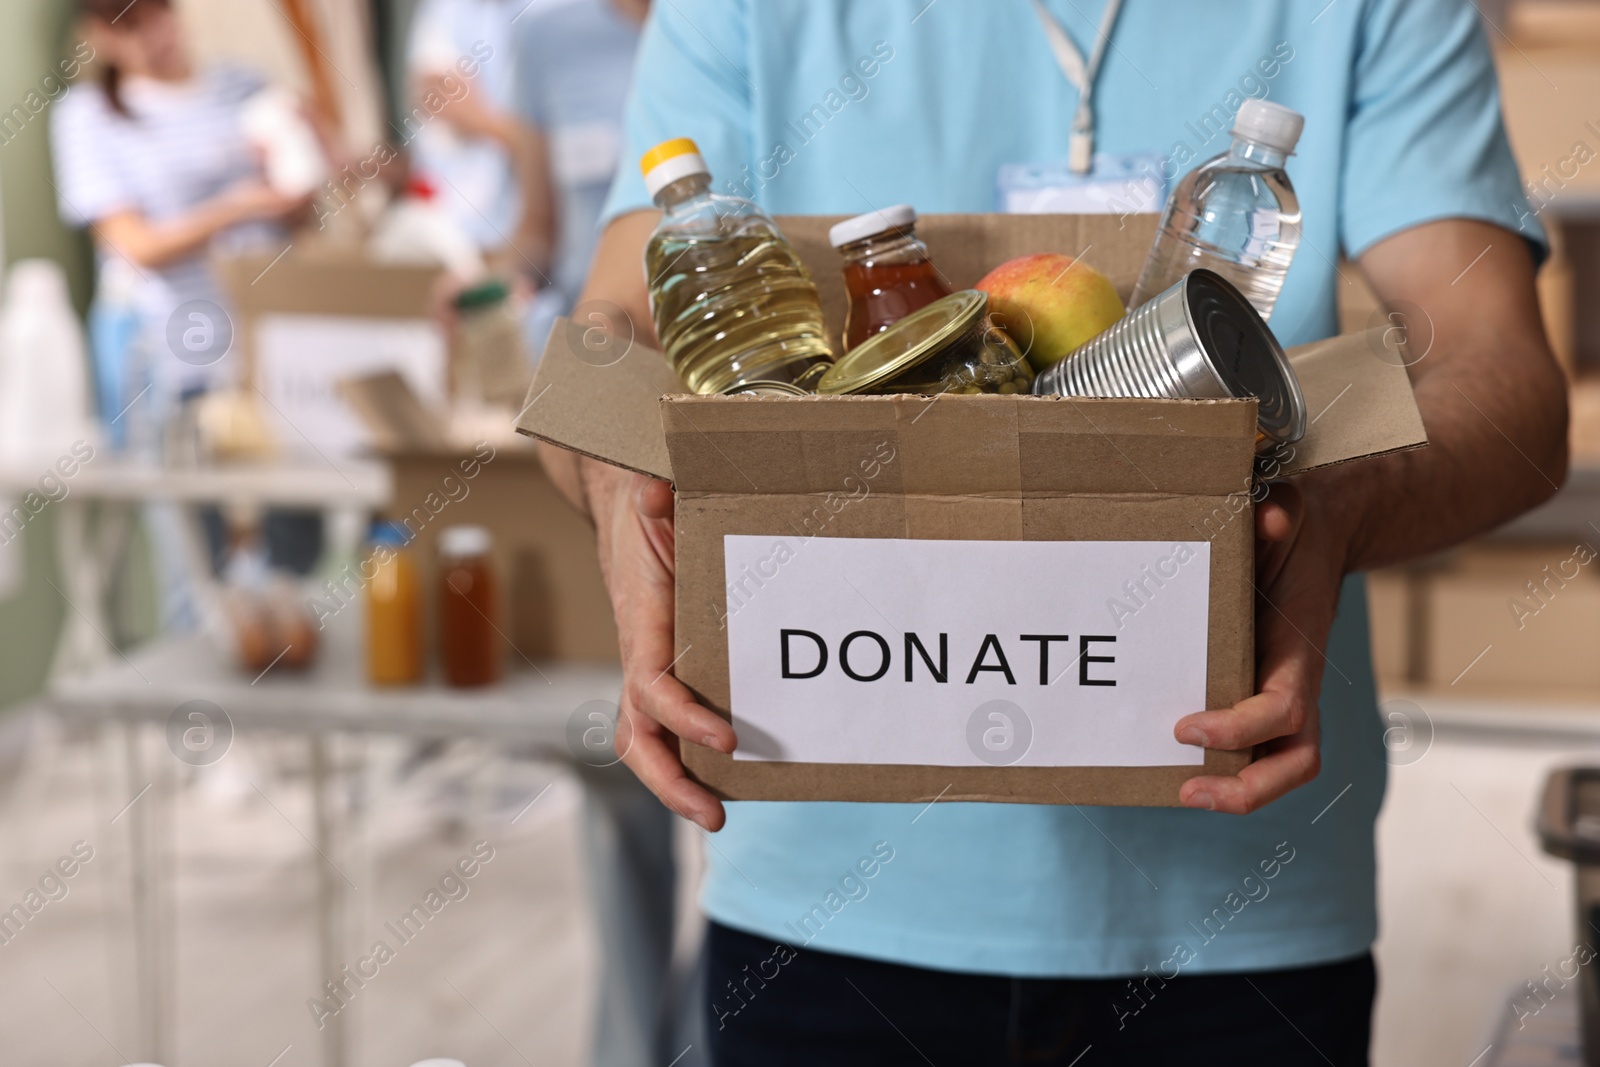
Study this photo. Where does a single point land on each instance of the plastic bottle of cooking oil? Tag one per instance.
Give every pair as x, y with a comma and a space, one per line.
731, 300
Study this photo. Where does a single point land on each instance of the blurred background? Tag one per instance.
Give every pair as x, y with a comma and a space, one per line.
307, 675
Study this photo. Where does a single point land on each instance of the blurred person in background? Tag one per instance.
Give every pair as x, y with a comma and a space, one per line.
154, 161
574, 67
474, 152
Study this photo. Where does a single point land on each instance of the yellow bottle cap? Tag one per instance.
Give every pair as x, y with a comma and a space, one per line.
678, 146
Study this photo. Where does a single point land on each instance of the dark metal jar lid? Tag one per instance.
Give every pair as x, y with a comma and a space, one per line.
905, 344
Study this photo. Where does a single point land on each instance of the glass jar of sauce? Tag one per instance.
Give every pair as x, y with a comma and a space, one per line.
887, 272
469, 635
950, 346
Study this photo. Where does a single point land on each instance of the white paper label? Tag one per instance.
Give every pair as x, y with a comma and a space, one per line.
300, 359
966, 653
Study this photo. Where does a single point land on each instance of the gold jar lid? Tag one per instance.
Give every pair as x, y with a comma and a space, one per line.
907, 343
765, 388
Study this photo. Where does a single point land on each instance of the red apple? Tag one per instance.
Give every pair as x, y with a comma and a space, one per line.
1051, 304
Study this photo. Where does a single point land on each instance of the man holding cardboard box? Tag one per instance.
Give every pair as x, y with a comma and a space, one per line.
1010, 933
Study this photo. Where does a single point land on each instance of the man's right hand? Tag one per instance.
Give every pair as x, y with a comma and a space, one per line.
632, 516
633, 522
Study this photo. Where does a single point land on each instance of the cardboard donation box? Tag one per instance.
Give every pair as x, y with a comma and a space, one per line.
1000, 598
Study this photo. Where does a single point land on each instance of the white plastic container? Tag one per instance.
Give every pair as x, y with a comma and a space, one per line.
274, 123
416, 230
44, 369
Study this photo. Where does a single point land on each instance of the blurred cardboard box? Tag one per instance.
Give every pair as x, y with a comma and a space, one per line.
349, 361
1491, 619
555, 602
556, 605
810, 527
310, 319
1548, 60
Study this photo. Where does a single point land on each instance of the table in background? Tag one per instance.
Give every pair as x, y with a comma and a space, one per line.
344, 494
531, 709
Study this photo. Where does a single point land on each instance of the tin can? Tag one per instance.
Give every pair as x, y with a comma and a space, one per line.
949, 346
1200, 338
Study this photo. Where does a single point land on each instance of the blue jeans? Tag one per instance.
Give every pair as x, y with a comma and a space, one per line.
771, 1006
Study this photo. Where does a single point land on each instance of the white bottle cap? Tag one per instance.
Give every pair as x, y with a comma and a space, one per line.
848, 232
464, 541
1270, 124
438, 1063
669, 161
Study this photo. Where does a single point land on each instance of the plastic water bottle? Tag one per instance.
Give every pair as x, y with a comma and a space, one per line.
1235, 214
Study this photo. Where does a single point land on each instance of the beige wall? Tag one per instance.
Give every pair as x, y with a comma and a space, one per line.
256, 33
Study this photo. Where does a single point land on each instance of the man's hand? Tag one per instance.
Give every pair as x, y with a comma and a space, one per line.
632, 516
1494, 405
633, 521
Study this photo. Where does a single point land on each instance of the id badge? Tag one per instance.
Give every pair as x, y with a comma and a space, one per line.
1115, 185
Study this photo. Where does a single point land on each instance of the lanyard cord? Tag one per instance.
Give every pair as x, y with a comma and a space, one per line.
1070, 58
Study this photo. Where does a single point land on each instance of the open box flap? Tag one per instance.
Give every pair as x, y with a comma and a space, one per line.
599, 403
1358, 403
601, 397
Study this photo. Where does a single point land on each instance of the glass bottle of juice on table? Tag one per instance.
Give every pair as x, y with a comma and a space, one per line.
732, 302
394, 610
470, 641
887, 272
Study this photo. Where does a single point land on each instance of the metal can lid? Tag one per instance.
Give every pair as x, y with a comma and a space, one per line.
1245, 354
765, 388
905, 344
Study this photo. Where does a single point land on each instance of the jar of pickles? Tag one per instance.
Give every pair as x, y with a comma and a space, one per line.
950, 346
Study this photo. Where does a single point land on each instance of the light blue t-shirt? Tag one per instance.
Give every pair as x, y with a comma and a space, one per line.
837, 106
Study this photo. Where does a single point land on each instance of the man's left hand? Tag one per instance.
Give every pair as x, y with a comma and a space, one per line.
1299, 566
